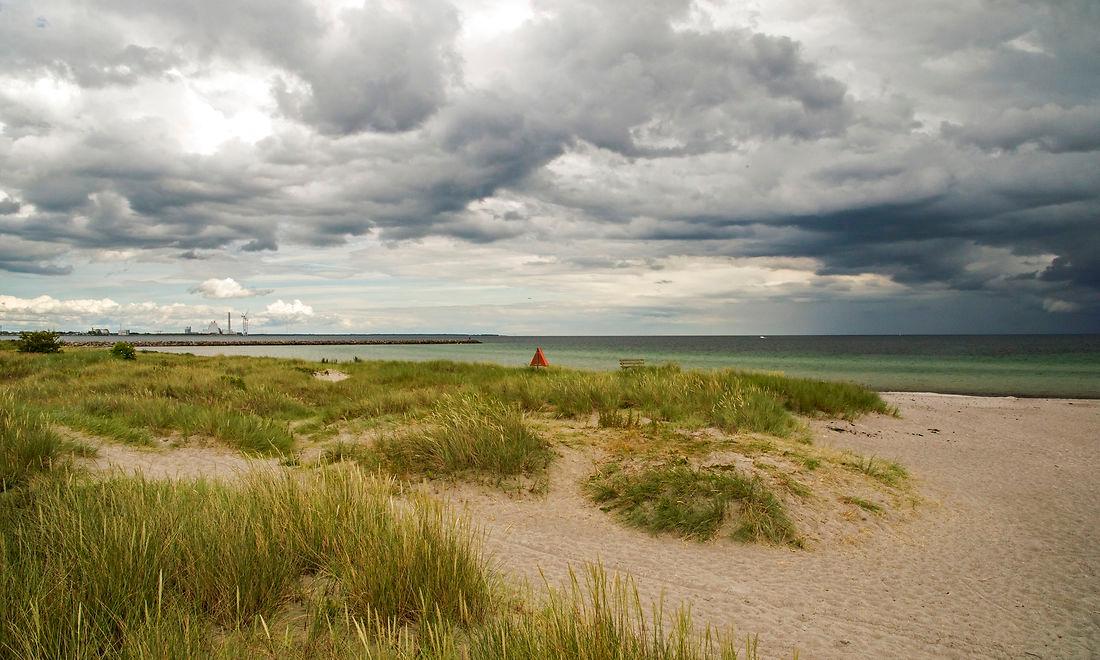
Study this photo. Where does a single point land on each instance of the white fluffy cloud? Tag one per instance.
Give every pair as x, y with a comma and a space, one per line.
288, 311
15, 308
226, 288
1060, 306
80, 314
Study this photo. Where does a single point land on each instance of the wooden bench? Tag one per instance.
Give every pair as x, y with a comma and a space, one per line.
630, 363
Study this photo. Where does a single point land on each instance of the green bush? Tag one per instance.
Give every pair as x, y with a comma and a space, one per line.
124, 350
41, 341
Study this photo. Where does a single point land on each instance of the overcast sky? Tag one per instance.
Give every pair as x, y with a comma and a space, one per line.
771, 166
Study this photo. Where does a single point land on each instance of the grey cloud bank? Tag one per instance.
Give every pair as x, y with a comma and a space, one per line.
875, 152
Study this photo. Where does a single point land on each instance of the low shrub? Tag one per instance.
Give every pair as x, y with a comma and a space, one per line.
124, 351
40, 341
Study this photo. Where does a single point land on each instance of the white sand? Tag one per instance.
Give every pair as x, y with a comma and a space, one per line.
331, 375
216, 463
1002, 561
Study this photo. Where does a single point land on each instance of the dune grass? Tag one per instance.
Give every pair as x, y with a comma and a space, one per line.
599, 618
86, 562
469, 433
337, 563
250, 403
27, 444
865, 504
885, 471
342, 561
692, 502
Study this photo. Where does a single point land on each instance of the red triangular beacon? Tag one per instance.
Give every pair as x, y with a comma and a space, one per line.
539, 360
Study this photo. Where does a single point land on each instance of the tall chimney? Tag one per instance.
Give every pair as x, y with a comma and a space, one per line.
229, 323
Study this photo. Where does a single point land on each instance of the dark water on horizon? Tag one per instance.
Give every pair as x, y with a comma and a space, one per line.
1021, 365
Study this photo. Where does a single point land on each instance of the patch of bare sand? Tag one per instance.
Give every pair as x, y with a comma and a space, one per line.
331, 375
216, 463
1001, 561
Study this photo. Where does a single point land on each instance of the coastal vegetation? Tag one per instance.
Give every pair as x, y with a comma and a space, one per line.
469, 433
124, 351
28, 444
250, 403
692, 502
337, 550
336, 563
39, 341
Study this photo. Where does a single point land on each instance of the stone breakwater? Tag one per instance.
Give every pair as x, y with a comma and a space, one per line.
265, 342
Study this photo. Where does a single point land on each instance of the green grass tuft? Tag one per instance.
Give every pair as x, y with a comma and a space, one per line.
618, 419
748, 408
676, 497
887, 472
864, 504
470, 433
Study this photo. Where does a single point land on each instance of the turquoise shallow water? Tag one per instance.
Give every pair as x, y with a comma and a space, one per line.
1020, 365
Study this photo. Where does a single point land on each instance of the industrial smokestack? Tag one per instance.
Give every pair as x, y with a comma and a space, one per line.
229, 323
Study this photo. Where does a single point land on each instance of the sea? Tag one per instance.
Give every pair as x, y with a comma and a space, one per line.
1002, 365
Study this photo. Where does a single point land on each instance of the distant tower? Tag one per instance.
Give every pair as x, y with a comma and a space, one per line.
244, 322
229, 323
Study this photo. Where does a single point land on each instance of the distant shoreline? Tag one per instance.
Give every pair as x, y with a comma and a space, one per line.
343, 341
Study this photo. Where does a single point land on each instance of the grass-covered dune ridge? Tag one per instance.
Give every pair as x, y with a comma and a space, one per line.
338, 564
251, 403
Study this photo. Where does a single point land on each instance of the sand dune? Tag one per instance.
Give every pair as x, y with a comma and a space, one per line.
1002, 559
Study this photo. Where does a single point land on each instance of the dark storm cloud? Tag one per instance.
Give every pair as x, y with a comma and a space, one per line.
1048, 127
644, 88
622, 121
20, 256
625, 90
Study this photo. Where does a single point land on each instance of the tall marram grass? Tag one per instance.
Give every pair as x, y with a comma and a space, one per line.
337, 564
89, 567
600, 618
472, 433
27, 444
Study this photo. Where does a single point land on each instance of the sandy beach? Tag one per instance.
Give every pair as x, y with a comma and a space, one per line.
1001, 558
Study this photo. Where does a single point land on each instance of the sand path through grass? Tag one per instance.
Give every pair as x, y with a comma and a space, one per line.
215, 462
